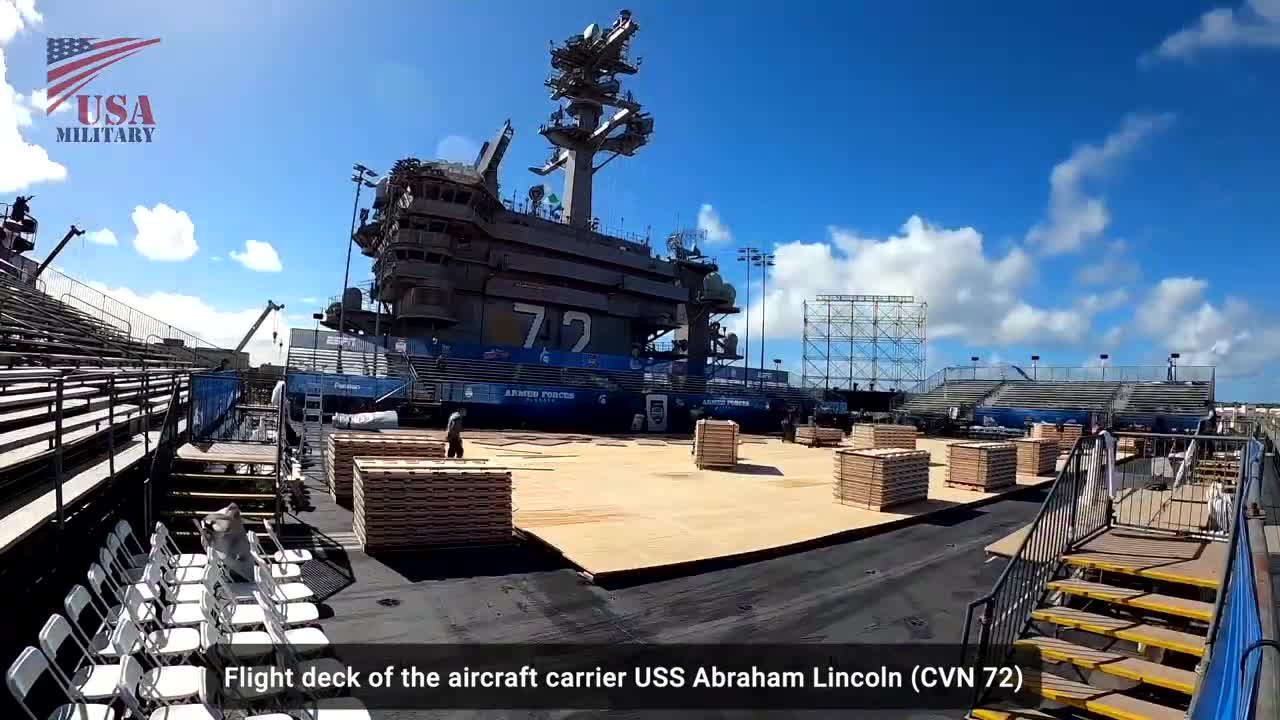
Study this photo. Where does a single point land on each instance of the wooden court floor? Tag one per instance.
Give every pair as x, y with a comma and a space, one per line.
613, 505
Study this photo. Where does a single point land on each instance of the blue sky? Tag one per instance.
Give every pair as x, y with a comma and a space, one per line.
1063, 179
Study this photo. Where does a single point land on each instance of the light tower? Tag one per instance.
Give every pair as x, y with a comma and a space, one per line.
586, 69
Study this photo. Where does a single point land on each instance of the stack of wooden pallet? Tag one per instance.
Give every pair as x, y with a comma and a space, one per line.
344, 447
875, 479
715, 443
1037, 456
982, 466
405, 503
883, 436
815, 436
1065, 439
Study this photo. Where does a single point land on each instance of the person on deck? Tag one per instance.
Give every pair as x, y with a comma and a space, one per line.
788, 429
454, 433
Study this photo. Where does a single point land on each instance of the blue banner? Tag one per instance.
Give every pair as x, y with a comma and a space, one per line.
1018, 417
534, 395
525, 356
356, 386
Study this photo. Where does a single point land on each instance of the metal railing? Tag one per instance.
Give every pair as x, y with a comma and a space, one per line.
1076, 508
133, 323
1239, 675
1113, 373
1174, 482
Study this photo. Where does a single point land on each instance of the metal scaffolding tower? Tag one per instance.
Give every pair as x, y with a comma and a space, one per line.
873, 342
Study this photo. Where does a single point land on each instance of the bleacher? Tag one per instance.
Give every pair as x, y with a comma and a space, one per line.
954, 393
37, 330
325, 360
1166, 399
1048, 395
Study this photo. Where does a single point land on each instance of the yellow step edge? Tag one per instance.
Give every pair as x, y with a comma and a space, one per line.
1132, 634
1122, 666
1155, 573
1107, 703
1143, 601
995, 714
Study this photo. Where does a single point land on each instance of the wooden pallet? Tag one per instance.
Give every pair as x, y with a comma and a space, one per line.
879, 478
983, 466
883, 436
344, 447
403, 503
1037, 456
815, 436
1066, 439
715, 443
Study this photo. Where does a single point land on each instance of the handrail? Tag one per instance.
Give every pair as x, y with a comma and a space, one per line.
128, 326
1077, 507
147, 342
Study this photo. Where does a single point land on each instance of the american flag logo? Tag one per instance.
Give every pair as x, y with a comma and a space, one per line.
74, 62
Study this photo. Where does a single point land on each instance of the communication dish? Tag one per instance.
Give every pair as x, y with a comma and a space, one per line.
535, 194
592, 32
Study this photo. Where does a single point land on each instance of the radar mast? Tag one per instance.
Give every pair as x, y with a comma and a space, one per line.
586, 69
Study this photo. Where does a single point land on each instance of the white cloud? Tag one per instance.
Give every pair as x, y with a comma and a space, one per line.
1114, 268
709, 222
459, 149
15, 15
1238, 339
191, 314
1256, 24
971, 294
259, 256
309, 300
102, 237
216, 258
1074, 217
164, 233
24, 163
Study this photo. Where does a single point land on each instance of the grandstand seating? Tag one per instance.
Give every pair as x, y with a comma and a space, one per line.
1055, 395
1125, 399
956, 393
39, 330
1166, 399
325, 360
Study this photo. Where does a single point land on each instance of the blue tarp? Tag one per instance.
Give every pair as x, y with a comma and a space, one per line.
213, 396
1017, 417
1227, 693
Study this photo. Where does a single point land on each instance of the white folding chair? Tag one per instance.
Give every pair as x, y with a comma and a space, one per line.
119, 581
122, 560
221, 653
279, 592
163, 683
26, 671
279, 570
109, 596
90, 681
343, 708
175, 557
282, 555
137, 553
134, 690
237, 645
287, 656
76, 603
306, 640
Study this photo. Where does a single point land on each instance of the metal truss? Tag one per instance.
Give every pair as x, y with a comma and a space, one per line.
874, 341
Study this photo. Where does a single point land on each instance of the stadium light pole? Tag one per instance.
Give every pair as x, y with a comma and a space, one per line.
1173, 366
1035, 367
744, 255
974, 359
764, 261
360, 176
315, 339
1103, 358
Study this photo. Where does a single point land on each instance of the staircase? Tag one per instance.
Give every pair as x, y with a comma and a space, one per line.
198, 486
1109, 620
1119, 633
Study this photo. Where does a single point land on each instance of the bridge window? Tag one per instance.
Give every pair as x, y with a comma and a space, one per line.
437, 226
431, 191
446, 195
463, 197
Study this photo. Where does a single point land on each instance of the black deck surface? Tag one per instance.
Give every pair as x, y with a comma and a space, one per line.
910, 585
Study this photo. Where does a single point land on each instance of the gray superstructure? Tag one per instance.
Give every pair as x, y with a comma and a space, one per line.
455, 262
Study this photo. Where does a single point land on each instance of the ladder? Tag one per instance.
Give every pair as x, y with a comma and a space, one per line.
312, 420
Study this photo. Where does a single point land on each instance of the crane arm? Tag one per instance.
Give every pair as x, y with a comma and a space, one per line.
257, 324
